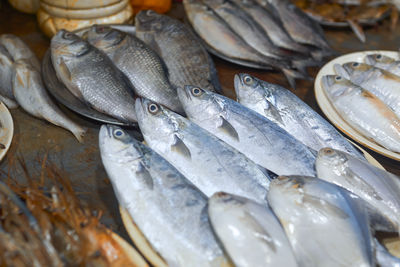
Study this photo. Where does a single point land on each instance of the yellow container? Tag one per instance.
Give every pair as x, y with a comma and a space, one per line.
160, 6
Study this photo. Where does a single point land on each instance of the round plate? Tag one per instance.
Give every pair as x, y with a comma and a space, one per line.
65, 97
330, 112
6, 130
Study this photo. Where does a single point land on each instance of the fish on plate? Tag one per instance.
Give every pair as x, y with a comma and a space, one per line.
92, 77
141, 65
168, 209
284, 108
208, 162
249, 232
384, 62
187, 60
260, 139
363, 111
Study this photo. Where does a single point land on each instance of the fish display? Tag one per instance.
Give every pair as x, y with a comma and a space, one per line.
249, 232
208, 162
150, 187
92, 77
323, 225
363, 111
288, 111
31, 95
260, 139
186, 58
379, 188
384, 62
141, 65
381, 83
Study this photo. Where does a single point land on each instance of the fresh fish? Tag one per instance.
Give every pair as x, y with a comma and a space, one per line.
19, 50
144, 68
92, 77
381, 83
181, 49
379, 188
288, 111
209, 163
168, 209
363, 111
6, 68
30, 93
218, 35
323, 224
383, 62
260, 139
300, 27
249, 232
271, 25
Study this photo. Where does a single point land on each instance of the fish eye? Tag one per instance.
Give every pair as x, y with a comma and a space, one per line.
68, 35
338, 78
248, 80
153, 108
378, 56
328, 151
150, 12
100, 29
355, 64
197, 91
118, 133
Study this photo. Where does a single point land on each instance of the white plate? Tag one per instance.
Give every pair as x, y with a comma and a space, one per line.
330, 111
6, 129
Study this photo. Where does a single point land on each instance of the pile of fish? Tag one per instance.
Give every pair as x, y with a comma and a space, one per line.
204, 191
21, 84
107, 68
266, 34
367, 97
44, 224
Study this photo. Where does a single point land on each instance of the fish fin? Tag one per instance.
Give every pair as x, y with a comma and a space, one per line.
19, 79
63, 68
143, 174
325, 207
259, 231
357, 29
10, 103
291, 75
179, 147
272, 111
227, 128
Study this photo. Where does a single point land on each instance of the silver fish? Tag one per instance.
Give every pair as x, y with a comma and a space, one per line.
18, 49
30, 93
6, 69
249, 232
260, 139
379, 188
288, 111
323, 223
166, 207
381, 83
92, 77
181, 49
144, 68
384, 62
363, 111
209, 163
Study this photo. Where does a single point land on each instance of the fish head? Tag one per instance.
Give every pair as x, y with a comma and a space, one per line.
249, 90
356, 68
200, 104
336, 86
149, 21
67, 44
330, 157
378, 58
157, 123
104, 37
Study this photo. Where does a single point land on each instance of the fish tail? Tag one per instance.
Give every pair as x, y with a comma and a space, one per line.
291, 75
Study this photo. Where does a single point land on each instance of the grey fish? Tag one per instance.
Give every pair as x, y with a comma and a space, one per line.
19, 50
272, 26
168, 209
384, 62
181, 49
288, 111
381, 83
325, 226
144, 68
260, 139
209, 163
6, 69
379, 188
92, 77
30, 93
249, 232
300, 27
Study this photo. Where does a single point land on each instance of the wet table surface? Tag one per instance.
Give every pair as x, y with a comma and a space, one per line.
34, 138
